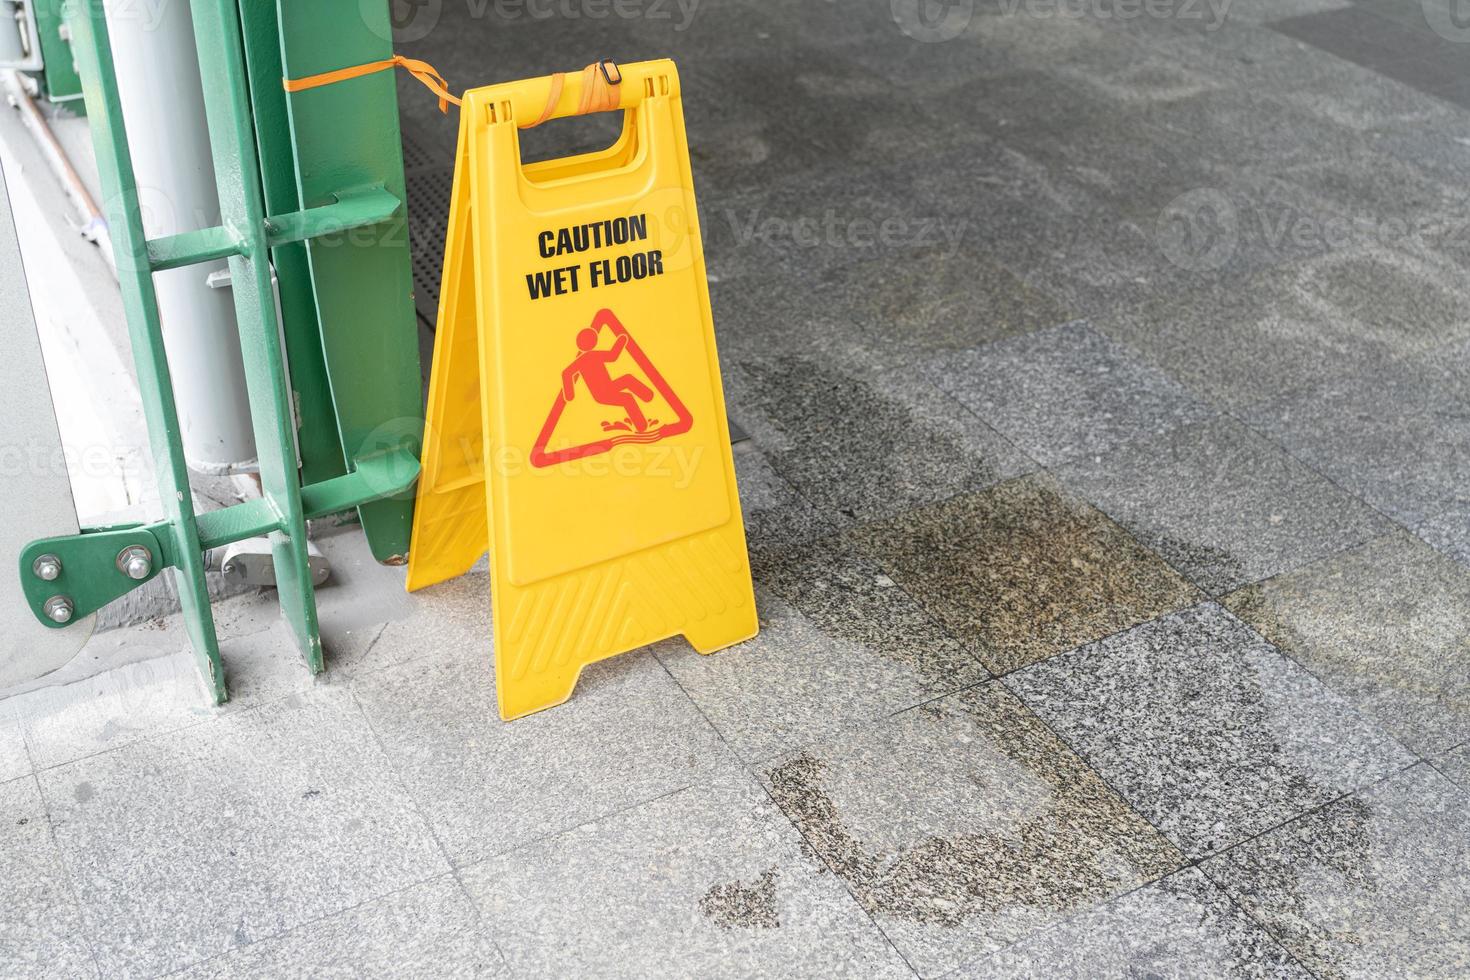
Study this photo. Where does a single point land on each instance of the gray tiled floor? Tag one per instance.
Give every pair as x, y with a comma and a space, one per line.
1110, 523
710, 881
268, 819
964, 824
1065, 391
1206, 728
1222, 504
1387, 625
429, 929
486, 787
41, 932
1179, 926
1374, 884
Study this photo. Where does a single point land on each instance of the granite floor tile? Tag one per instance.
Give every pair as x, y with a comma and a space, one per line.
1385, 625
1375, 884
865, 446
14, 760
41, 932
1181, 926
1399, 444
1456, 764
710, 881
1446, 368
965, 824
848, 597
1246, 340
1064, 392
426, 930
799, 681
629, 734
1205, 728
114, 708
1023, 570
184, 846
776, 516
1449, 533
1222, 504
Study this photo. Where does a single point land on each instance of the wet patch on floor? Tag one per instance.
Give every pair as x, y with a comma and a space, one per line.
1205, 728
1386, 625
1024, 570
856, 450
1375, 884
776, 516
940, 299
850, 598
965, 824
743, 905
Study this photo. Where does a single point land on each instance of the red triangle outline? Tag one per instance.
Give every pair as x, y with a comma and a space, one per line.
682, 423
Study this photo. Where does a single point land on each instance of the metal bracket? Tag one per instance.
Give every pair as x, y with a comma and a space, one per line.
90, 572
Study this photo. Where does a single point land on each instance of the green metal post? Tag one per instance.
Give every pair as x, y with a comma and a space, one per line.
180, 539
316, 418
59, 77
346, 136
242, 208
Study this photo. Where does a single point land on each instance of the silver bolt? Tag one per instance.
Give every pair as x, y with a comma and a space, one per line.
135, 561
47, 568
58, 609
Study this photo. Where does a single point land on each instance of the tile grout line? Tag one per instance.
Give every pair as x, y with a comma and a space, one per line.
1200, 862
408, 793
750, 771
290, 930
69, 876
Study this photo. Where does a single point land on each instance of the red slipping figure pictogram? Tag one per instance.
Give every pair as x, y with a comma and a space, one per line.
646, 408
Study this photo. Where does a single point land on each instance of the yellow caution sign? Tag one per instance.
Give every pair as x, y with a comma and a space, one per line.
576, 423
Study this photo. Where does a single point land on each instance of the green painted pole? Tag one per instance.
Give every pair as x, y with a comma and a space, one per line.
135, 281
242, 208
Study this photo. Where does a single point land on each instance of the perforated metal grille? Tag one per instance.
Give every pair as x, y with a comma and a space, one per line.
429, 176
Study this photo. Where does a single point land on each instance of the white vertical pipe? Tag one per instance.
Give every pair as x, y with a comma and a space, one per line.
163, 108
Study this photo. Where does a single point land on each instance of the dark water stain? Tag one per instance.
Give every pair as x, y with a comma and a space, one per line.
851, 448
1070, 855
1280, 881
849, 598
1024, 570
741, 905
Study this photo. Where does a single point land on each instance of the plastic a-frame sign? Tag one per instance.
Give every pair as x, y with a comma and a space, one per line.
576, 422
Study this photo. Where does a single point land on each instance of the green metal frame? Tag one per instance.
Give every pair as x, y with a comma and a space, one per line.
59, 78
249, 233
346, 135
